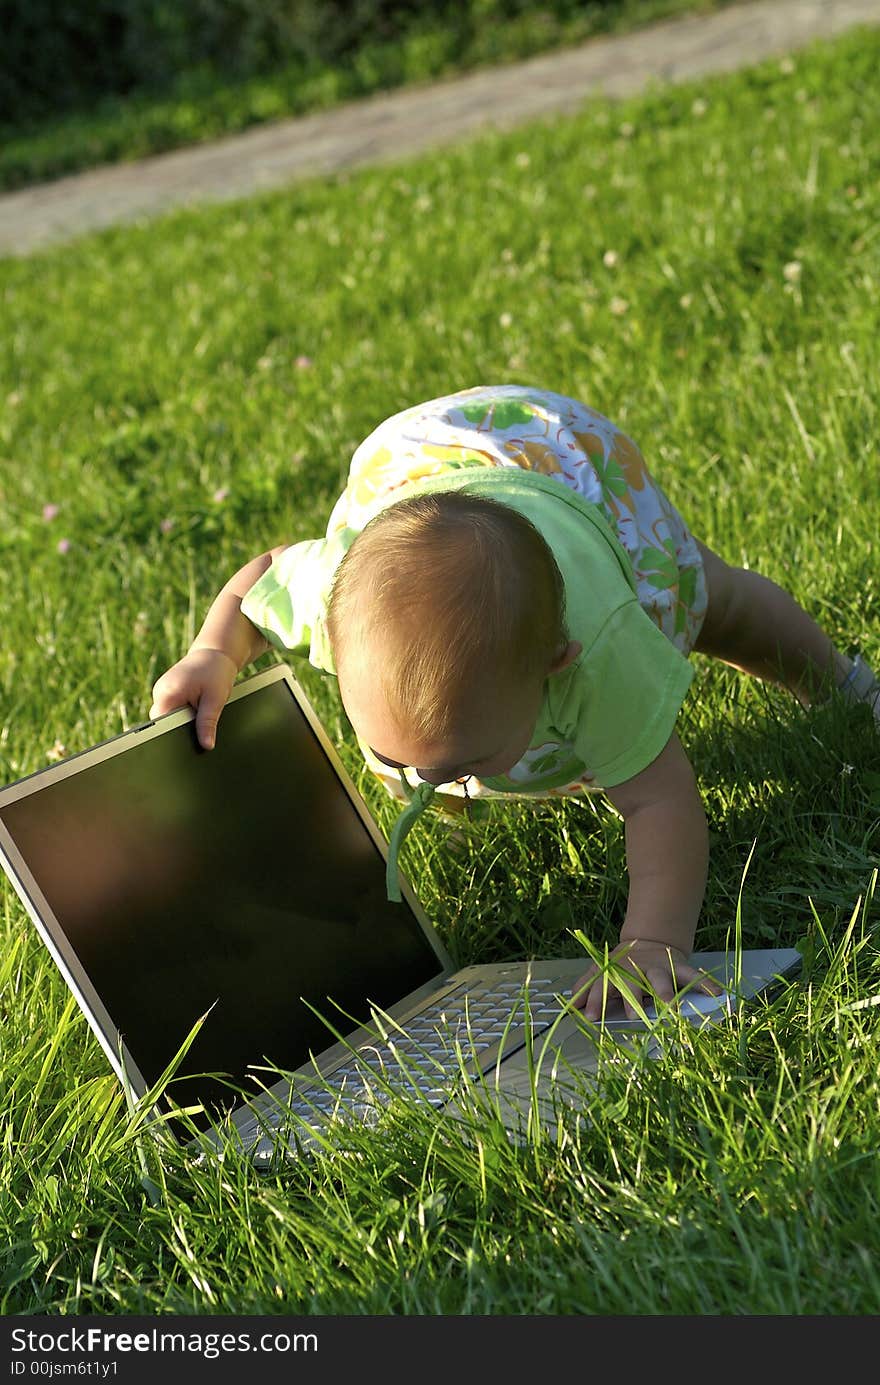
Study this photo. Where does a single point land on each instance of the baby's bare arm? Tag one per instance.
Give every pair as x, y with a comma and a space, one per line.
667, 853
227, 641
667, 850
225, 628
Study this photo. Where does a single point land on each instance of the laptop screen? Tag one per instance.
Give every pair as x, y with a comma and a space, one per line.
241, 881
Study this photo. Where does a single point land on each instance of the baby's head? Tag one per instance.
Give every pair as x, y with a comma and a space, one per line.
445, 618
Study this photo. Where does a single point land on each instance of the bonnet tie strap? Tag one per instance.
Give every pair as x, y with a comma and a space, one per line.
419, 798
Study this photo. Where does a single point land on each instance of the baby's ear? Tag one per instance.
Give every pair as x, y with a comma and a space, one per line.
568, 656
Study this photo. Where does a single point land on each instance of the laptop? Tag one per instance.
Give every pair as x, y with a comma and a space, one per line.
225, 914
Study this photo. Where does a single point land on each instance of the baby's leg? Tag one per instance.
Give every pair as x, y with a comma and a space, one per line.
758, 627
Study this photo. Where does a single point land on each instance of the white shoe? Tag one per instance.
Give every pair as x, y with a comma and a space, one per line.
861, 685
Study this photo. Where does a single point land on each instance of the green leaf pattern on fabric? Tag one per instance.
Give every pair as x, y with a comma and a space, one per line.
500, 413
658, 566
687, 585
611, 477
467, 459
541, 769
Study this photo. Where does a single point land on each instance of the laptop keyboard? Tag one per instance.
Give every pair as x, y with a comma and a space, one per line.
431, 1049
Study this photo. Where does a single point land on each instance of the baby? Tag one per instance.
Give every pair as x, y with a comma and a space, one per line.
508, 601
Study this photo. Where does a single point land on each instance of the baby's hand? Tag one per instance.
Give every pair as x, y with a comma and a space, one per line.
202, 679
647, 970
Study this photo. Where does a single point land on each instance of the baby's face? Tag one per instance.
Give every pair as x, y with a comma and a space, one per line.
490, 739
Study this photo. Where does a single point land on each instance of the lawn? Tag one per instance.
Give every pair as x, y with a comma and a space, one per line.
702, 265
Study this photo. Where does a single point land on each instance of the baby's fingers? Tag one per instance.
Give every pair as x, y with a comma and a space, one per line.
207, 705
690, 980
169, 693
596, 995
207, 717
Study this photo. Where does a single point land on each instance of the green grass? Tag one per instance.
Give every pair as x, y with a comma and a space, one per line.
150, 390
202, 105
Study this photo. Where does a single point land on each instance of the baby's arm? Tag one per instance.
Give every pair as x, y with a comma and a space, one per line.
227, 641
667, 853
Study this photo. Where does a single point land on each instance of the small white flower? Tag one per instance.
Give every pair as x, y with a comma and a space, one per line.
610, 259
523, 160
619, 306
506, 320
791, 272
699, 107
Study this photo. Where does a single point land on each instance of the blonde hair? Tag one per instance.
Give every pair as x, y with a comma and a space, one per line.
450, 595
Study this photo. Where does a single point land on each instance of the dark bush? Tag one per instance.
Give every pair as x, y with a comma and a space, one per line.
57, 55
